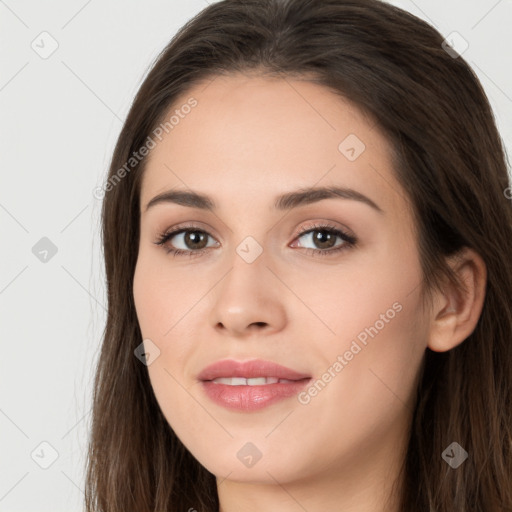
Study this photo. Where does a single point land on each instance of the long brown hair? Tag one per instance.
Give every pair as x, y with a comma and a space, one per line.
450, 160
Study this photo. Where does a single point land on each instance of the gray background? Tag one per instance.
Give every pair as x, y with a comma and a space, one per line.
60, 117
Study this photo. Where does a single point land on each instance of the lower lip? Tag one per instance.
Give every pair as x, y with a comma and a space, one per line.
251, 398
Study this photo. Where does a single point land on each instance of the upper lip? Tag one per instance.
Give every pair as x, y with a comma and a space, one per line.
249, 369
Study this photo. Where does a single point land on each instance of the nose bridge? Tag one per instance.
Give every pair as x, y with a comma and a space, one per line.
248, 294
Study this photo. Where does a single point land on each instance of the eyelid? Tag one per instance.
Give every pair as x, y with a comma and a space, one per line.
190, 226
346, 234
325, 224
317, 224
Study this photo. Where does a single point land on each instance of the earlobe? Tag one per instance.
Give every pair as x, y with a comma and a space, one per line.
455, 313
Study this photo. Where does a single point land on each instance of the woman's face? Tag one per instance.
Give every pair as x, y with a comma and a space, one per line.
348, 316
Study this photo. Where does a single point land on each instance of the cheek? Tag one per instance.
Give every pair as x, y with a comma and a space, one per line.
366, 395
386, 321
164, 303
376, 344
161, 297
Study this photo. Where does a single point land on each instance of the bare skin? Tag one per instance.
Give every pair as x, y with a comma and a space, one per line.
249, 140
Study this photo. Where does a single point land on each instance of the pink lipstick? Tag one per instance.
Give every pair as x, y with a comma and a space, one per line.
250, 385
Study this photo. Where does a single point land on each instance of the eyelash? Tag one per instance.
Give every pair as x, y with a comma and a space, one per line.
349, 240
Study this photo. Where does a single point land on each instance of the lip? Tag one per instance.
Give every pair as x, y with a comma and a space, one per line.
245, 398
249, 369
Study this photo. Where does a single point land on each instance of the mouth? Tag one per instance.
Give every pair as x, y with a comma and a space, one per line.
250, 370
250, 385
255, 381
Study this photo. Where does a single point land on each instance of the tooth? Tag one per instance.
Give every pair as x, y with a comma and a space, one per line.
220, 380
254, 381
257, 381
235, 381
238, 381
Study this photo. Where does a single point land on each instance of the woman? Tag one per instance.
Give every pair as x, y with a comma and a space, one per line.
307, 234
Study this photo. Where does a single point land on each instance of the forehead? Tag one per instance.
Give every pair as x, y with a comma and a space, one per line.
267, 134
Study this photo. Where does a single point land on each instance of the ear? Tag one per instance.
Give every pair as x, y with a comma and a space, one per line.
456, 313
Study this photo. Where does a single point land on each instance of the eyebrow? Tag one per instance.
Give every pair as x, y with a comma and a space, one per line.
286, 201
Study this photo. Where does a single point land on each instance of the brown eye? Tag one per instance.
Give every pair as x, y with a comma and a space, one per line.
195, 239
192, 241
323, 239
188, 240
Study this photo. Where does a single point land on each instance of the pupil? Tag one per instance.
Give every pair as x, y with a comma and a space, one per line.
194, 237
321, 235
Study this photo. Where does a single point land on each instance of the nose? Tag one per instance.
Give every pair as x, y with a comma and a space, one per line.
248, 300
